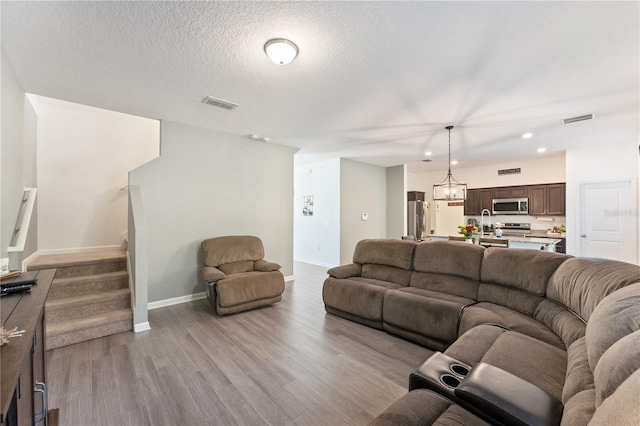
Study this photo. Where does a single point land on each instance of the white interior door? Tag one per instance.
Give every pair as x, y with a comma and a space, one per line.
608, 215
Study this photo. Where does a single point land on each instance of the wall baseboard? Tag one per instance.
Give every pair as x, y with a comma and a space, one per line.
176, 300
77, 250
143, 326
313, 262
289, 278
29, 259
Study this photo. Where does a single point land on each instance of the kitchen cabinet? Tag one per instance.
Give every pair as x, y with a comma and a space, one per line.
556, 199
511, 192
415, 196
547, 199
472, 203
486, 197
478, 200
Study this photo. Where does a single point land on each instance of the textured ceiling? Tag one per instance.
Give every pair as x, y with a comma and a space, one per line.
374, 81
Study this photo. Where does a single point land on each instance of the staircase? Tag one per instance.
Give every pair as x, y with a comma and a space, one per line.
89, 296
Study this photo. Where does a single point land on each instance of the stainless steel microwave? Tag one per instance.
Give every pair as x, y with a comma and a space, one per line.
510, 206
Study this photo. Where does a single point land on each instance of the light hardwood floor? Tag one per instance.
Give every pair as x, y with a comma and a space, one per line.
289, 364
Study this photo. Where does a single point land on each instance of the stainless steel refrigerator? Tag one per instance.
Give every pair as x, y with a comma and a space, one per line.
418, 220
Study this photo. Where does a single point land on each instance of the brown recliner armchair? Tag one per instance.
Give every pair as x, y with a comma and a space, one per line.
236, 276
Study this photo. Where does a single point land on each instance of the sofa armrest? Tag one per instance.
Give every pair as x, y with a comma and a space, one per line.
211, 274
264, 266
507, 398
346, 271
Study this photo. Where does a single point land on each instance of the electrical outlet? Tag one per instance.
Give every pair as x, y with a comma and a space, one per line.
365, 216
4, 265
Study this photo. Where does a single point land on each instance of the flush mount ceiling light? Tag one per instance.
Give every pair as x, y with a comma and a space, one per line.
281, 51
450, 189
541, 150
527, 136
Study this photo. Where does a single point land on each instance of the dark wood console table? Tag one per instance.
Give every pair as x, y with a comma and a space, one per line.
23, 359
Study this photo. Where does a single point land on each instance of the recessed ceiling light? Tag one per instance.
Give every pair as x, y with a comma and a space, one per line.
428, 154
281, 51
527, 135
542, 149
454, 162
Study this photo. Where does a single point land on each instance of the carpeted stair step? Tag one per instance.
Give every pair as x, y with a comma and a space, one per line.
82, 306
77, 264
88, 284
73, 331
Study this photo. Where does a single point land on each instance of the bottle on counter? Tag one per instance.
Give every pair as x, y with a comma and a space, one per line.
498, 232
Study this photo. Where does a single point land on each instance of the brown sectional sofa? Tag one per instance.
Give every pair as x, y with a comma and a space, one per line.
569, 326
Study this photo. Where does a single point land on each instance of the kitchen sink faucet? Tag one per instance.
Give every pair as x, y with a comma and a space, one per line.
482, 221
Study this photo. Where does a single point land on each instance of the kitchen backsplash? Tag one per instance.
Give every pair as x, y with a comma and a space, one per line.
533, 220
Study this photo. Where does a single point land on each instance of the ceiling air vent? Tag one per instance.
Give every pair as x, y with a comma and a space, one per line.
219, 103
578, 118
427, 160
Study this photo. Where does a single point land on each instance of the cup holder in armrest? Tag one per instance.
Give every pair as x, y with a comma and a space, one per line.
459, 369
450, 381
439, 373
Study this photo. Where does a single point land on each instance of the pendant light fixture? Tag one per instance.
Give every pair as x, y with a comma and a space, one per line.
450, 189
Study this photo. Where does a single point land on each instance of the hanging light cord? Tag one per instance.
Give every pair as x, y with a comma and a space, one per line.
449, 173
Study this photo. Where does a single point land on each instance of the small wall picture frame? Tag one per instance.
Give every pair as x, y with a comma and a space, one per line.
307, 205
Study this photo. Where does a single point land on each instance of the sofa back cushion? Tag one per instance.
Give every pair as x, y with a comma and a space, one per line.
525, 270
564, 323
236, 267
515, 278
448, 267
603, 375
617, 316
236, 248
386, 252
581, 283
385, 259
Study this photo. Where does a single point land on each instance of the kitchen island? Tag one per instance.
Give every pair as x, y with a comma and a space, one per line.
529, 243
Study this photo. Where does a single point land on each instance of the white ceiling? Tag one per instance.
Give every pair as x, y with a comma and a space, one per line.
374, 81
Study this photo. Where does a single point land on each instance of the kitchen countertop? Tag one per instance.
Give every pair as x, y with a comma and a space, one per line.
531, 240
542, 233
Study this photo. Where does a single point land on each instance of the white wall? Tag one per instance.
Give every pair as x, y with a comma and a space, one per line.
317, 237
207, 184
602, 163
17, 158
534, 171
396, 201
362, 190
84, 156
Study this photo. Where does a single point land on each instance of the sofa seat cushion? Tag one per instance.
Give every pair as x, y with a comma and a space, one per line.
425, 312
242, 288
539, 363
423, 407
361, 297
490, 313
